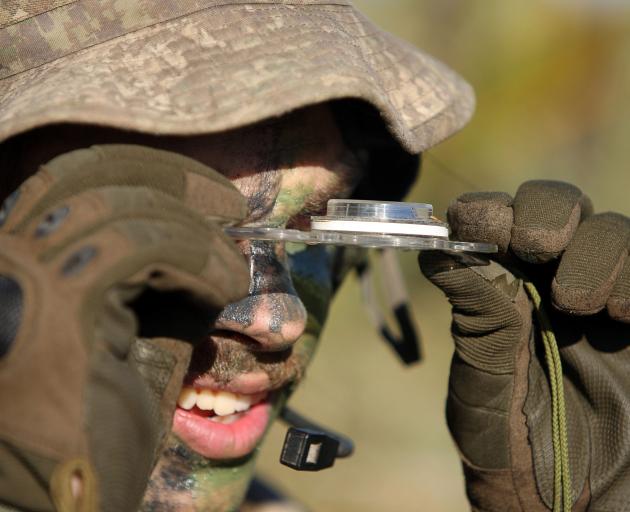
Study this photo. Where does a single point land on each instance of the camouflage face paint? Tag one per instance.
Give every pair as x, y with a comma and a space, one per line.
289, 203
184, 480
276, 328
269, 281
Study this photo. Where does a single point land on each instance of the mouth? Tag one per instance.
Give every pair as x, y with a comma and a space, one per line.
226, 404
219, 424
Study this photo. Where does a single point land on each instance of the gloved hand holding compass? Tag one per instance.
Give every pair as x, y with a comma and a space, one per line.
499, 407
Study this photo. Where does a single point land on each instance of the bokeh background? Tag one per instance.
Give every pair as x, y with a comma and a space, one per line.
553, 101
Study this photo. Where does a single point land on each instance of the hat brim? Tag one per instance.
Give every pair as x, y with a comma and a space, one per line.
233, 65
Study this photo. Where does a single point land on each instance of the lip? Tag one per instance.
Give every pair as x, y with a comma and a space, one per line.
219, 441
245, 383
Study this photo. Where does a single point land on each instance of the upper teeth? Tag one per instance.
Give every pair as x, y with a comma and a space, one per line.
222, 403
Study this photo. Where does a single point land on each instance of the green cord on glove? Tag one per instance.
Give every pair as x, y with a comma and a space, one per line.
562, 471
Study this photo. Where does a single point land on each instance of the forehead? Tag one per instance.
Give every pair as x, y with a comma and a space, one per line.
294, 154
286, 164
280, 165
306, 137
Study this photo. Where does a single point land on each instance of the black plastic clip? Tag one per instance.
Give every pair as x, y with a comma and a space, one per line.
310, 447
308, 450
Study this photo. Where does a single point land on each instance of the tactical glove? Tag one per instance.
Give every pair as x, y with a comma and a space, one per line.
499, 406
99, 246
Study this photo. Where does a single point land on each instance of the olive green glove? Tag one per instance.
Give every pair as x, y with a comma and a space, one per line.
499, 408
102, 245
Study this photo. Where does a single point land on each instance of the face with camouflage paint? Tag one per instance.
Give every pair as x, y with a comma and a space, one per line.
258, 349
263, 343
184, 480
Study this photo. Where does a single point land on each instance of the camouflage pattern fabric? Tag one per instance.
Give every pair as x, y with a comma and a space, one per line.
201, 66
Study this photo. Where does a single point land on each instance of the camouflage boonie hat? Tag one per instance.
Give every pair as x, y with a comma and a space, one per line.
200, 66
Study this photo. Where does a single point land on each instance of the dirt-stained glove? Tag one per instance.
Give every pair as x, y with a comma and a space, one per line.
499, 406
102, 245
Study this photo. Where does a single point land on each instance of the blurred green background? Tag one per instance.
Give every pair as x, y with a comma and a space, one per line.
553, 101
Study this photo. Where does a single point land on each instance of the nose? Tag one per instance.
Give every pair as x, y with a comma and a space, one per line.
272, 314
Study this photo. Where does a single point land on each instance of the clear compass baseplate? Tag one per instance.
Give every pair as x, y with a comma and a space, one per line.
374, 224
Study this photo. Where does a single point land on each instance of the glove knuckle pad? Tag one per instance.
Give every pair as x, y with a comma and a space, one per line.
11, 311
7, 206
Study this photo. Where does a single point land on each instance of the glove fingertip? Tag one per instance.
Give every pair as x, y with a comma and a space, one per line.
538, 243
227, 204
232, 284
593, 269
619, 309
546, 215
578, 301
482, 217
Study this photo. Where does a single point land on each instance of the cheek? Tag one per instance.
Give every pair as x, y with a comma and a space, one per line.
304, 187
311, 272
317, 271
